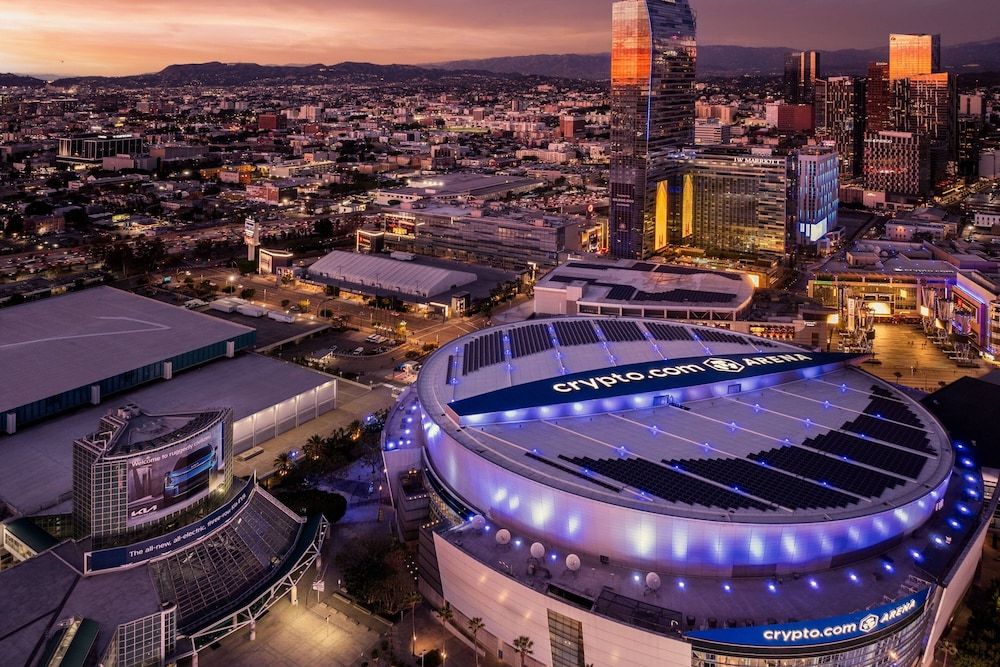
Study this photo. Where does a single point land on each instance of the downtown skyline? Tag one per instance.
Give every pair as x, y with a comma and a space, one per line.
117, 38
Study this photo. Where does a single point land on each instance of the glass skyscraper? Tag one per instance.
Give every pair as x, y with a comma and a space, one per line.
652, 114
912, 55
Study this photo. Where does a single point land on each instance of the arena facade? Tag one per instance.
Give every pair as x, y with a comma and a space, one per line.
639, 492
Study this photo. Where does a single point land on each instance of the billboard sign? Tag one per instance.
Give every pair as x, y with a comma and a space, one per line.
140, 552
164, 481
600, 386
818, 632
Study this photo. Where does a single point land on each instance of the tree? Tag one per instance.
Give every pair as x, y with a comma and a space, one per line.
475, 625
314, 446
248, 293
413, 600
446, 615
283, 461
948, 649
323, 227
523, 646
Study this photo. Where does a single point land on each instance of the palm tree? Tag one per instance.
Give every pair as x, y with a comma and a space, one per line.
446, 615
948, 648
284, 462
475, 625
314, 446
523, 646
413, 599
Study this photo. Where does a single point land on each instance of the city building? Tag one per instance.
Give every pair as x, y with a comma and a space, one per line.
926, 105
456, 187
840, 118
878, 98
734, 200
795, 118
628, 491
711, 132
913, 55
103, 341
571, 127
504, 237
818, 197
652, 113
93, 148
802, 69
897, 162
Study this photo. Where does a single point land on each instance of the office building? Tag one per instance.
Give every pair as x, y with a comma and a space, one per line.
897, 163
652, 113
818, 196
801, 73
840, 119
711, 132
795, 118
92, 149
927, 104
494, 236
571, 127
913, 55
626, 491
878, 98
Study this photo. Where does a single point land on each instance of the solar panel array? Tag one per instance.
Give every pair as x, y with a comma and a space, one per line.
887, 431
571, 471
884, 408
685, 271
621, 293
619, 331
717, 336
685, 296
870, 453
482, 351
575, 332
668, 332
527, 340
764, 482
838, 473
666, 484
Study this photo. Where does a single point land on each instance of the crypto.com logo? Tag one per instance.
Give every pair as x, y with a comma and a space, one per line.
724, 365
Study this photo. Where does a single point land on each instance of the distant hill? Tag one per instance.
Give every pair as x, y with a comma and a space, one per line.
732, 60
18, 81
242, 74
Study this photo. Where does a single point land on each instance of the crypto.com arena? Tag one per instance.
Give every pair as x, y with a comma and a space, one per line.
636, 492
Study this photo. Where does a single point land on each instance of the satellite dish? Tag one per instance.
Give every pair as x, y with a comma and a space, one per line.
538, 550
572, 562
503, 536
653, 581
479, 522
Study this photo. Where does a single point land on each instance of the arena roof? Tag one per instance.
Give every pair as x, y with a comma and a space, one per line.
788, 436
55, 345
628, 282
389, 275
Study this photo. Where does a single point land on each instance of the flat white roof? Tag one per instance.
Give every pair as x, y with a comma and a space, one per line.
389, 274
54, 345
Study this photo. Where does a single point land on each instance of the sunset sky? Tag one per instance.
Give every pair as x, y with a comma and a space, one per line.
68, 37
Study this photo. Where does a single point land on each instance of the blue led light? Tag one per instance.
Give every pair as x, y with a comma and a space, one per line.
967, 462
771, 587
681, 584
727, 588
954, 524
964, 509
917, 556
971, 479
853, 577
813, 584
635, 578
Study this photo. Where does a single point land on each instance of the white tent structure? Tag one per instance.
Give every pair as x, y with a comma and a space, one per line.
382, 273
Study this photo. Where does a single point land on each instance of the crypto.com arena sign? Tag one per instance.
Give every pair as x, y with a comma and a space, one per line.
639, 385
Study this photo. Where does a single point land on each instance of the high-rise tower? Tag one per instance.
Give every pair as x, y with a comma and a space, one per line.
652, 114
912, 55
801, 73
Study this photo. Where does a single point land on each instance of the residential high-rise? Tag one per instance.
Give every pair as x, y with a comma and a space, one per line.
801, 73
927, 104
652, 114
878, 98
913, 55
840, 118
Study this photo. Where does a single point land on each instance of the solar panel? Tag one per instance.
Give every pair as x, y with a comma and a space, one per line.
621, 293
665, 483
527, 340
668, 332
575, 473
621, 331
888, 431
764, 482
718, 336
852, 448
685, 271
575, 332
836, 472
897, 411
685, 296
482, 352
